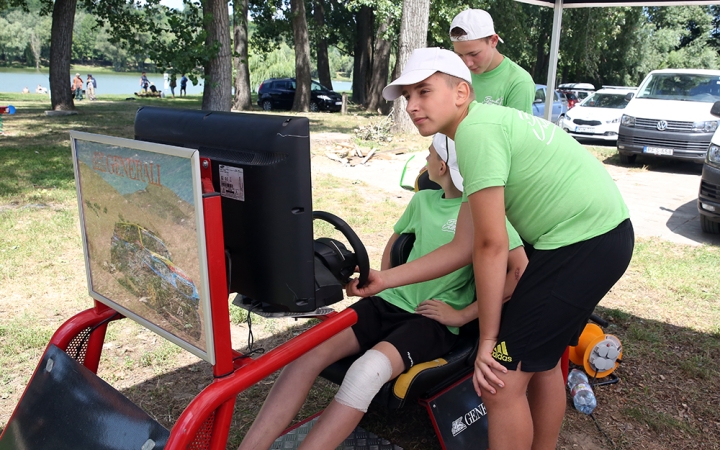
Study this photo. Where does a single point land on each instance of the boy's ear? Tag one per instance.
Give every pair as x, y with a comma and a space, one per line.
462, 93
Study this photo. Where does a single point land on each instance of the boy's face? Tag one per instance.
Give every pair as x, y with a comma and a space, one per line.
434, 164
431, 104
476, 54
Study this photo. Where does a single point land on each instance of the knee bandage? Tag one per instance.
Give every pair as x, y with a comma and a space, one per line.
364, 379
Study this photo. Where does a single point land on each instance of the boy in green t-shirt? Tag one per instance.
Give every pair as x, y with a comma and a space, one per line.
395, 330
496, 79
562, 202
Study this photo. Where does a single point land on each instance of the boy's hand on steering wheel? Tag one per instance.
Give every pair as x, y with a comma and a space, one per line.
374, 285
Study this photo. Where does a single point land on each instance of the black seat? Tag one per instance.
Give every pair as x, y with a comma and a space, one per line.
422, 380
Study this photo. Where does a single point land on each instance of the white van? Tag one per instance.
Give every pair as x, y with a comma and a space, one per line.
670, 116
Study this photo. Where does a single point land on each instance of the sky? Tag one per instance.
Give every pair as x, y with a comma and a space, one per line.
177, 4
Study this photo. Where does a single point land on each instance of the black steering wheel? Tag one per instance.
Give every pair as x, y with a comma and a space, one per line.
336, 257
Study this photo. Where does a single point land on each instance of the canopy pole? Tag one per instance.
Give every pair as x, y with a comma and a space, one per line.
552, 66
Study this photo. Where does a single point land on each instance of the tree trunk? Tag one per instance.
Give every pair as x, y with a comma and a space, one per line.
380, 69
63, 20
217, 92
302, 56
35, 48
243, 100
363, 47
413, 34
323, 61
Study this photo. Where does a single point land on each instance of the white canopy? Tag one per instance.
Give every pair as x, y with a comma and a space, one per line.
557, 21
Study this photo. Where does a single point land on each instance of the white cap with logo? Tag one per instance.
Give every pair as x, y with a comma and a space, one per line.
477, 24
445, 148
423, 63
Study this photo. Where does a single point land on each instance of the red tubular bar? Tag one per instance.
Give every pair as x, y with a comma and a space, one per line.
215, 246
73, 326
223, 389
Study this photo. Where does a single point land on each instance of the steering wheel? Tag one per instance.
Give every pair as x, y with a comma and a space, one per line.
336, 257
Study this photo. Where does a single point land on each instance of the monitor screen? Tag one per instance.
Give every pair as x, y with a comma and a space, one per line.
261, 168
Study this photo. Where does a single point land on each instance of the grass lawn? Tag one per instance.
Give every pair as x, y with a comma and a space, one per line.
664, 310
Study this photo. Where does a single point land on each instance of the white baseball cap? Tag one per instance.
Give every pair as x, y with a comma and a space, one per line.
477, 23
445, 148
424, 62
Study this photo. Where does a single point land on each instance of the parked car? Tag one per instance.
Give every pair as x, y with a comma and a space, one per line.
669, 117
581, 90
598, 116
709, 193
279, 93
559, 106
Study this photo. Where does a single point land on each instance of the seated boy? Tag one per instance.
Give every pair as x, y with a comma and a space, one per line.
395, 330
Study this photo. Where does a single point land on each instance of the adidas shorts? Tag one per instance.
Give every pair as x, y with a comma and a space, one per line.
555, 297
417, 338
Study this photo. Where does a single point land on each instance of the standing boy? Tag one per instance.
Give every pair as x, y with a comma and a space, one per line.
91, 85
400, 327
144, 82
496, 79
560, 199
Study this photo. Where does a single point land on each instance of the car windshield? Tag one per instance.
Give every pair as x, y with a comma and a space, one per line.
681, 86
597, 100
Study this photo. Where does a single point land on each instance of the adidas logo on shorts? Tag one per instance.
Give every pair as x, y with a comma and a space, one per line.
500, 353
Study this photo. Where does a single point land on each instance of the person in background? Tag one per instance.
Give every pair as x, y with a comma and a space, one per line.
90, 86
26, 90
496, 79
77, 87
173, 83
40, 90
144, 82
183, 85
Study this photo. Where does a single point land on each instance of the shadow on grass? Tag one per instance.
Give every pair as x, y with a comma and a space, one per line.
667, 396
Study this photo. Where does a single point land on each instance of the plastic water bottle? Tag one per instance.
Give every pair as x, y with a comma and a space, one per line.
581, 392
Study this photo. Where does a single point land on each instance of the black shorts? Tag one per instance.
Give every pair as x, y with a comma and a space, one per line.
555, 297
417, 338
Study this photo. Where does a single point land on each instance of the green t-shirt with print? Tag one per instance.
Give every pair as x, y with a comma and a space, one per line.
432, 219
556, 192
506, 85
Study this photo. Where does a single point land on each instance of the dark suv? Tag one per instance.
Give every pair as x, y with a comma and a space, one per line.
279, 93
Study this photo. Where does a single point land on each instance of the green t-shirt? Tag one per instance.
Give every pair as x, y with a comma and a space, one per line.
432, 219
506, 85
556, 192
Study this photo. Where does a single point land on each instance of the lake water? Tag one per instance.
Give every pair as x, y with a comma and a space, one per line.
14, 80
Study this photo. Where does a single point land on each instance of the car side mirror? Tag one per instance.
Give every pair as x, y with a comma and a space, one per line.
629, 96
715, 110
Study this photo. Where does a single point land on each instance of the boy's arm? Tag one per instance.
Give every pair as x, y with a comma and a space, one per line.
385, 262
490, 264
446, 314
517, 262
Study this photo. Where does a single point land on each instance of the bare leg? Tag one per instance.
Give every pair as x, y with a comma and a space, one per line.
338, 421
510, 424
291, 388
546, 395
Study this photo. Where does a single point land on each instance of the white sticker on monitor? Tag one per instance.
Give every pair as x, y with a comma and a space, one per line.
232, 182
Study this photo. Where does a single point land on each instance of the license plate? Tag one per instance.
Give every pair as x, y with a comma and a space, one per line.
658, 150
338, 103
583, 129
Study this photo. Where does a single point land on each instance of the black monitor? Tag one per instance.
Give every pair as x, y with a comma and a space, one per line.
261, 168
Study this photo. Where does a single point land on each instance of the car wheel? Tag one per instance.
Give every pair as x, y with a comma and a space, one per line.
266, 105
627, 159
314, 107
708, 226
